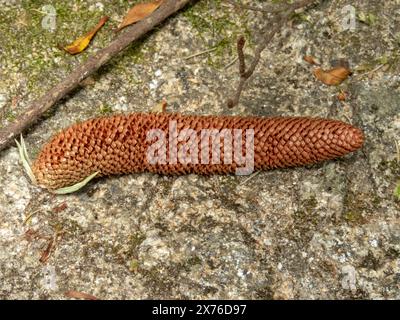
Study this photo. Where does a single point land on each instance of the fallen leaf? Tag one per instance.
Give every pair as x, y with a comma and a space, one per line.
139, 12
79, 295
332, 77
310, 60
81, 43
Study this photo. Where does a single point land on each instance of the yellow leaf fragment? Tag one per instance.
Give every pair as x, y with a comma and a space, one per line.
81, 43
332, 77
139, 12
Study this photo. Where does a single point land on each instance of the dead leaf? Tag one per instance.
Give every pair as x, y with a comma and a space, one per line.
79, 295
139, 12
310, 60
332, 77
81, 43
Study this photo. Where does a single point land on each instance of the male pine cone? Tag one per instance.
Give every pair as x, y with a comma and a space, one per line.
120, 144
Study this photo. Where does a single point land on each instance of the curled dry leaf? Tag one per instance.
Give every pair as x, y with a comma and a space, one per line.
79, 295
332, 77
310, 60
139, 12
81, 43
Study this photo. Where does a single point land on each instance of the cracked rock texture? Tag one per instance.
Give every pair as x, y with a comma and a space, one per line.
330, 231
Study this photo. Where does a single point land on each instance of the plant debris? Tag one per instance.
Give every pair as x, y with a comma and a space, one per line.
60, 207
332, 77
311, 60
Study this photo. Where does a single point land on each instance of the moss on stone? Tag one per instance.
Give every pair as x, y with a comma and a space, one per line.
353, 217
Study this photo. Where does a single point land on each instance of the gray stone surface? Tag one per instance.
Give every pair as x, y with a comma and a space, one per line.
325, 231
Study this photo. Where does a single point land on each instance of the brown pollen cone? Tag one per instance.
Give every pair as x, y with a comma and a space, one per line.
168, 143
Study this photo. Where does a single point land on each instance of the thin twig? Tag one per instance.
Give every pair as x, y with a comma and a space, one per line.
370, 72
91, 65
242, 63
249, 178
277, 22
231, 63
200, 53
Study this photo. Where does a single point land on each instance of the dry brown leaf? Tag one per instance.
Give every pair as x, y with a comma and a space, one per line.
79, 295
81, 43
332, 77
139, 12
310, 60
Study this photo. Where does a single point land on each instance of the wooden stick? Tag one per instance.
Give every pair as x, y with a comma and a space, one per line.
44, 103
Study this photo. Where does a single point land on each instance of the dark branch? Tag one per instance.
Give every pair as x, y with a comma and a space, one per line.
242, 63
